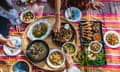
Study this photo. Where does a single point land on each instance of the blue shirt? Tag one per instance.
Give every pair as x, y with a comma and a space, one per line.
12, 14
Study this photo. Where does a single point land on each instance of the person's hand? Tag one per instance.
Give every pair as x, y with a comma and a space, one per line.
69, 61
57, 25
97, 5
18, 28
9, 44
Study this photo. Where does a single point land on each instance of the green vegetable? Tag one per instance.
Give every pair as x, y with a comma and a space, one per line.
68, 47
100, 57
38, 34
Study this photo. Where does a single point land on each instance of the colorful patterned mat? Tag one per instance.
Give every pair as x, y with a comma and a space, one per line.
109, 15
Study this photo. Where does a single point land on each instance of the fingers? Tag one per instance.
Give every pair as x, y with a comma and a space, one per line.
69, 61
69, 58
18, 28
94, 6
101, 4
57, 25
10, 44
56, 28
97, 5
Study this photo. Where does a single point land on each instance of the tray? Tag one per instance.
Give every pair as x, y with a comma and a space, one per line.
43, 65
100, 57
91, 34
89, 31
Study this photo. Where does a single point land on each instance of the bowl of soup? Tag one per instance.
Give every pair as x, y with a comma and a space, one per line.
37, 51
56, 58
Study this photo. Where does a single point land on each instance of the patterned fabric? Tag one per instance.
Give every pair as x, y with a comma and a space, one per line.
109, 15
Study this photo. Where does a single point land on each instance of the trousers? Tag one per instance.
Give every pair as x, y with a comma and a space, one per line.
4, 26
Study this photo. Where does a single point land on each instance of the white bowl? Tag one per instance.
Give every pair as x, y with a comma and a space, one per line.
117, 34
72, 44
89, 48
17, 42
30, 35
21, 16
76, 12
54, 66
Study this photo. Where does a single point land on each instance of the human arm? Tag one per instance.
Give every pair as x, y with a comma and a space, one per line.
15, 19
69, 61
10, 2
14, 13
57, 24
6, 41
69, 65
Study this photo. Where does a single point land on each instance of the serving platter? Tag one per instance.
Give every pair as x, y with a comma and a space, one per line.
67, 34
48, 40
91, 31
94, 59
91, 38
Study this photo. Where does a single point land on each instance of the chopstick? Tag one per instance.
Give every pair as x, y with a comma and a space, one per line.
69, 12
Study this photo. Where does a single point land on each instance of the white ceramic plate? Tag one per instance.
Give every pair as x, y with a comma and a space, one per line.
50, 64
30, 35
75, 11
17, 42
89, 49
117, 34
21, 16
